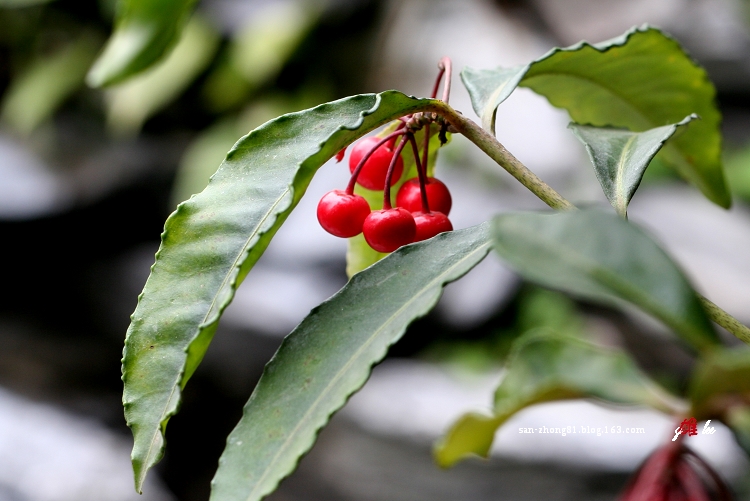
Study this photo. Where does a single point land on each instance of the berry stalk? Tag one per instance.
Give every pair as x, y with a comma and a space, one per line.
420, 173
353, 180
389, 175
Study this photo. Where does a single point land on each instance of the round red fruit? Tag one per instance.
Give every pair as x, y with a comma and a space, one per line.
438, 196
373, 173
388, 229
342, 214
430, 224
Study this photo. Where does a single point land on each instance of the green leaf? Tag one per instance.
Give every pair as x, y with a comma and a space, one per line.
37, 92
145, 32
329, 356
720, 382
544, 367
359, 254
212, 241
640, 80
602, 257
21, 3
131, 103
720, 389
620, 157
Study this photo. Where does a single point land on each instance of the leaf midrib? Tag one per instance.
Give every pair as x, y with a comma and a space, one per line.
349, 363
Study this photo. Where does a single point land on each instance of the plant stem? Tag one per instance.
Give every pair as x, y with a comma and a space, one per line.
496, 151
492, 147
725, 320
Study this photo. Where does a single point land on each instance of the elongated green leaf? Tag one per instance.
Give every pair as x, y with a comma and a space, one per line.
329, 356
212, 241
130, 104
145, 31
543, 367
620, 157
640, 80
602, 257
37, 92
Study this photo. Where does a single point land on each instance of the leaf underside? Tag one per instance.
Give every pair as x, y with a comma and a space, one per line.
145, 31
329, 356
544, 367
640, 80
212, 241
620, 157
601, 257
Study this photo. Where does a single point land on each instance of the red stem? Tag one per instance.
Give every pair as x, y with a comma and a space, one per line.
391, 168
420, 173
446, 66
355, 174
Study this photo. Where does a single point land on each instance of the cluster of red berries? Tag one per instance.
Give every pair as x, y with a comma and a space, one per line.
422, 203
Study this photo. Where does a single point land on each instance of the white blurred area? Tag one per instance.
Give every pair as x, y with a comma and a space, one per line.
51, 455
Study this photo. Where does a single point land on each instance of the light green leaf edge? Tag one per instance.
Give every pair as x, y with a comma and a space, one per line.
640, 80
543, 367
601, 257
329, 356
212, 241
620, 157
145, 31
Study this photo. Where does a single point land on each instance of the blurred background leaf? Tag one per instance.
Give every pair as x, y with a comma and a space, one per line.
130, 104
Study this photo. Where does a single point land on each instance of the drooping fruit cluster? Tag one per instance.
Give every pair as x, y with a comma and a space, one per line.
422, 203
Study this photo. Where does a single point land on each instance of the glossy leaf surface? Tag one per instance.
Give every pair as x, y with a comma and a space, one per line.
602, 257
212, 241
640, 80
620, 157
329, 356
544, 367
145, 31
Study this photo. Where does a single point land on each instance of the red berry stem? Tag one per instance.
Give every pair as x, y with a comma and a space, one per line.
420, 173
389, 175
426, 147
363, 160
446, 67
723, 490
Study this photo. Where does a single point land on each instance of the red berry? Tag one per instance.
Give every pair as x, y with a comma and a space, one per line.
438, 196
388, 229
373, 173
430, 224
342, 214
